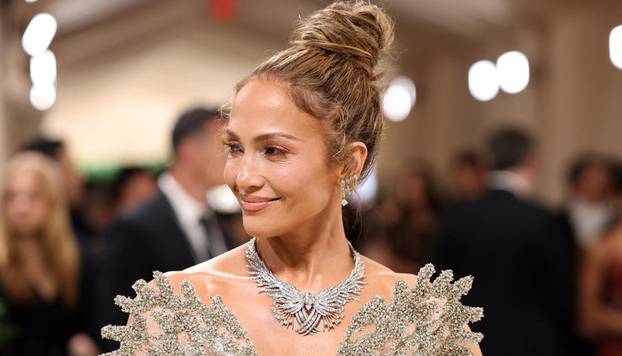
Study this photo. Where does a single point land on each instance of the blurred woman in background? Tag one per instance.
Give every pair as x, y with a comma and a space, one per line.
39, 259
600, 289
409, 221
600, 293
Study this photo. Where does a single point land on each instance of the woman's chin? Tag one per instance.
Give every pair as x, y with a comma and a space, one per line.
25, 230
260, 227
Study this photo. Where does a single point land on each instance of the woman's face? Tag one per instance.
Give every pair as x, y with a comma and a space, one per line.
25, 206
277, 162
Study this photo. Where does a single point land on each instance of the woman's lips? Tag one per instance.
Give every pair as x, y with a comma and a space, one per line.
256, 204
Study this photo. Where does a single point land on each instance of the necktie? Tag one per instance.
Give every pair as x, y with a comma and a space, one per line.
215, 240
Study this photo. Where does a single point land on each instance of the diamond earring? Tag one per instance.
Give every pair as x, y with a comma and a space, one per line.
347, 186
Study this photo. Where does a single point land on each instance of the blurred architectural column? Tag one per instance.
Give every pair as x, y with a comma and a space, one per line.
19, 121
435, 128
581, 97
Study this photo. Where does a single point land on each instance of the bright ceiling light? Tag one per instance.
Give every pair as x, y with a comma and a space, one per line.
483, 82
615, 46
513, 71
39, 34
42, 96
399, 99
43, 68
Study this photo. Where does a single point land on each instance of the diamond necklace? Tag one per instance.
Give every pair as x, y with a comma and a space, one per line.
306, 311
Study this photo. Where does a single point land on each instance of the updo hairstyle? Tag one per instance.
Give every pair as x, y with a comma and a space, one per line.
332, 71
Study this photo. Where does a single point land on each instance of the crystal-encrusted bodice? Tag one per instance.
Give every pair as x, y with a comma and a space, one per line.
426, 319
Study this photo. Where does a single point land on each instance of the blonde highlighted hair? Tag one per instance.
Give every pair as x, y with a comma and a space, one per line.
56, 238
332, 71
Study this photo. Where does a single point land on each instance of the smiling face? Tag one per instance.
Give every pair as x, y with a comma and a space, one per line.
277, 162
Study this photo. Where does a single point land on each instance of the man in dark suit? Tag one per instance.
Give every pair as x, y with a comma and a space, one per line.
523, 265
175, 229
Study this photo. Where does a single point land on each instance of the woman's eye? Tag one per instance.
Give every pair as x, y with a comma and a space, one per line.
273, 151
232, 149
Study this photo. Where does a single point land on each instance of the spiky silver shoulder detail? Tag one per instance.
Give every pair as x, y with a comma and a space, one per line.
427, 320
166, 324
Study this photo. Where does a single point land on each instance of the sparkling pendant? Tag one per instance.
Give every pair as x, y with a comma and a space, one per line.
305, 312
344, 202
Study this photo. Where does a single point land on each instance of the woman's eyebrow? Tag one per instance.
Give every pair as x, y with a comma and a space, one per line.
232, 134
264, 137
270, 135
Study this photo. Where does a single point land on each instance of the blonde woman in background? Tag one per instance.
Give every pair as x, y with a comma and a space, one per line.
39, 260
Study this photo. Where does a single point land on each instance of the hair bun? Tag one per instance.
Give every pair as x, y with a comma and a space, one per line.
357, 29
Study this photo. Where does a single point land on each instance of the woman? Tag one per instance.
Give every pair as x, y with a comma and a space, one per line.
302, 127
411, 222
600, 297
39, 259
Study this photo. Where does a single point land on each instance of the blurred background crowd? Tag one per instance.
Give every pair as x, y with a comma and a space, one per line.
502, 159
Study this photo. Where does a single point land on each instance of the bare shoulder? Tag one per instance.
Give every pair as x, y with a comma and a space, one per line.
600, 253
597, 251
212, 277
383, 279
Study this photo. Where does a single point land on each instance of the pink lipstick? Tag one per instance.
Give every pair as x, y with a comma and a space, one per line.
254, 204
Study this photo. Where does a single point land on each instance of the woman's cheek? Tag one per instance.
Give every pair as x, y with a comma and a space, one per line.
230, 173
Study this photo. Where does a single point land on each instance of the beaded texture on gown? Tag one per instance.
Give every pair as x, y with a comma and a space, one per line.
426, 319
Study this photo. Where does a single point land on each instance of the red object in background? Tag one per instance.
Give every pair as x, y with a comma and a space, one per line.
222, 10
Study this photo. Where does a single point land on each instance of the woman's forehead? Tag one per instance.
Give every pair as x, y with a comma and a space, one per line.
23, 179
265, 106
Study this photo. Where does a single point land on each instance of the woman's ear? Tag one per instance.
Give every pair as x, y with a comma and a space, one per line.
357, 154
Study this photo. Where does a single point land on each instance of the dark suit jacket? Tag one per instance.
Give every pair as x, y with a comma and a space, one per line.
524, 269
141, 242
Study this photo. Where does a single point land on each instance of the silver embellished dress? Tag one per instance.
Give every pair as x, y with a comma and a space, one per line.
426, 319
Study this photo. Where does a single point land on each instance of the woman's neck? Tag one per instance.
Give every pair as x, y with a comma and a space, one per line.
27, 241
313, 257
36, 268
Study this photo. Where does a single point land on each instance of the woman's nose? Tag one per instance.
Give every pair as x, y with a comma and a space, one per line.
248, 177
22, 202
